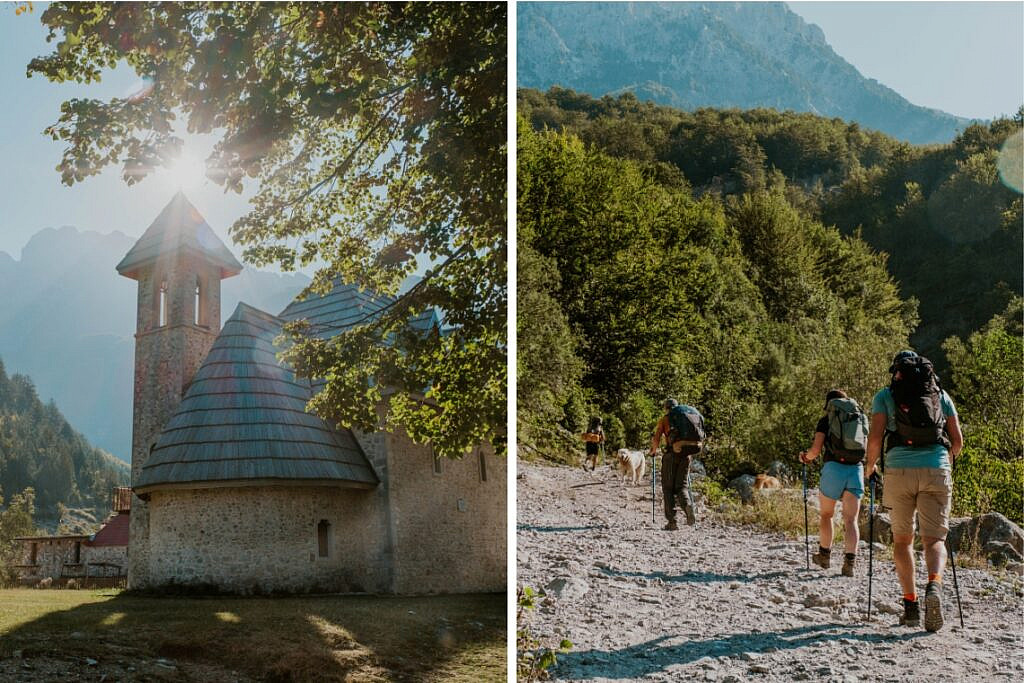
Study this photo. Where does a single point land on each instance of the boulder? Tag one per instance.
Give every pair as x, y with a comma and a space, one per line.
780, 471
744, 486
697, 471
991, 533
883, 527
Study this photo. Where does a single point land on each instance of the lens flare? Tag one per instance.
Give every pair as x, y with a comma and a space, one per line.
1011, 162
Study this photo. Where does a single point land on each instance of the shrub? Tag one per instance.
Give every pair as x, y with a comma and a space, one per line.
532, 660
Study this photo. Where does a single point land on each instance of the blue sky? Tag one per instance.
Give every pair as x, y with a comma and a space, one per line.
964, 57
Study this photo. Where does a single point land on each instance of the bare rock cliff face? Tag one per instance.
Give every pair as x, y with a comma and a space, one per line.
691, 55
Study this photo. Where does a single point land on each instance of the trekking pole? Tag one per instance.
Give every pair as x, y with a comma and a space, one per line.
952, 561
871, 538
807, 533
956, 585
654, 476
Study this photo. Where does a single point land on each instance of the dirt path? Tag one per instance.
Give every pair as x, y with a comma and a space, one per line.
720, 603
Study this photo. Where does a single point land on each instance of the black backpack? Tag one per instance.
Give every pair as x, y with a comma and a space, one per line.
687, 424
917, 395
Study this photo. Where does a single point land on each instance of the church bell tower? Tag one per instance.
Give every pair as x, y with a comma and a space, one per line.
178, 263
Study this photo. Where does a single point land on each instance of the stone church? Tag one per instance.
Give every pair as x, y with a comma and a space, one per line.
237, 487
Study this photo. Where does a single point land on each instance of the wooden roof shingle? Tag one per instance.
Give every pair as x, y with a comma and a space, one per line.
243, 419
179, 226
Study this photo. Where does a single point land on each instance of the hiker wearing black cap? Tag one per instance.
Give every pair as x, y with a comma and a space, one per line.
842, 434
683, 430
919, 424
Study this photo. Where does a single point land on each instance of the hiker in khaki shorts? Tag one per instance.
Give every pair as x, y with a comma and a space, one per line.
919, 422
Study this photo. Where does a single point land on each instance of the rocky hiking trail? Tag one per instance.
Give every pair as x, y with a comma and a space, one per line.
723, 603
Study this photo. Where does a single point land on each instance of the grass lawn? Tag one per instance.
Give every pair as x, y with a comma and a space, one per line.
51, 634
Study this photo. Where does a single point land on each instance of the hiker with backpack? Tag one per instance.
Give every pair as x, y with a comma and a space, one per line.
919, 425
593, 441
682, 427
842, 433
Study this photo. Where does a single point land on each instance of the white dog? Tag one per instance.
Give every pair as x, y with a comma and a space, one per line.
632, 465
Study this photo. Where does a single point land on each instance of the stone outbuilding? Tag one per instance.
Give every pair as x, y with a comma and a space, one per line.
238, 488
97, 559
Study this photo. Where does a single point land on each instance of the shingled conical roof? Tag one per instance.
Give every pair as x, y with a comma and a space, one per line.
179, 226
243, 422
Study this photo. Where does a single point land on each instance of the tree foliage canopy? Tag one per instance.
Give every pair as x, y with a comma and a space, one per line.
376, 133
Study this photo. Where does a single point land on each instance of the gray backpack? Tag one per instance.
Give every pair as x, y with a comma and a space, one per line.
847, 438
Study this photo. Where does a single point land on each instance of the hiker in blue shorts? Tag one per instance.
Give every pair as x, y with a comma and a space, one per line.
842, 476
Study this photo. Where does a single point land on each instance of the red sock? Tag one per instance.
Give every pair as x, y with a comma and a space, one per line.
910, 597
935, 577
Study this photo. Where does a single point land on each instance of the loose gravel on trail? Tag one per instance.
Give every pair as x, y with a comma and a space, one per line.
724, 603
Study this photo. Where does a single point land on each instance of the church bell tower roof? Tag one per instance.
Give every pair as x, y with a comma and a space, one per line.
179, 226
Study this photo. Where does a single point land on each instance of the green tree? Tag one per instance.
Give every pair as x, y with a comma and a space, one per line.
15, 520
376, 135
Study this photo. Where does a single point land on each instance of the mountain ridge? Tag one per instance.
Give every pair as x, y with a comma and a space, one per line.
68, 321
743, 55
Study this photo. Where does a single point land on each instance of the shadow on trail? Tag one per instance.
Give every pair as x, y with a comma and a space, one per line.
644, 659
560, 529
695, 577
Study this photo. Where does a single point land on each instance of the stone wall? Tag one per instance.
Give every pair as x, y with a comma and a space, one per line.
264, 539
50, 556
109, 554
449, 528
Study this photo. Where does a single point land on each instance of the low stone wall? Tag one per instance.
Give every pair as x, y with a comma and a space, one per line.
264, 539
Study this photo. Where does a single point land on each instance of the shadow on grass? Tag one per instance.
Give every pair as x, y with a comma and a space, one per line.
296, 638
696, 577
653, 656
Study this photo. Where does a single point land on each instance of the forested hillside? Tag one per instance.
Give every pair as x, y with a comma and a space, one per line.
951, 228
667, 253
39, 449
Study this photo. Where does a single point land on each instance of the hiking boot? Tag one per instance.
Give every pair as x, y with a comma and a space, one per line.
911, 613
848, 563
671, 526
823, 560
691, 519
933, 606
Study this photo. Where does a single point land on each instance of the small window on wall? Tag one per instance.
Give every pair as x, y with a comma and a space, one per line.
483, 465
78, 552
34, 554
438, 467
162, 305
323, 538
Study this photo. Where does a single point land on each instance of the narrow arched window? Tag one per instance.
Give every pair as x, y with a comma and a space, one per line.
483, 465
198, 318
323, 537
162, 305
78, 552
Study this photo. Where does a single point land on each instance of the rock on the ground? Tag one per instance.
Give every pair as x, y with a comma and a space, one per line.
567, 588
883, 527
781, 471
982, 531
744, 486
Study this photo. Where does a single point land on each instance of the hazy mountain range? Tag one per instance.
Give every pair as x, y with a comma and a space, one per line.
690, 55
67, 320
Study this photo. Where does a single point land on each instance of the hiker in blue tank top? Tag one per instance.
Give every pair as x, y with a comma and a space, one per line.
919, 424
842, 478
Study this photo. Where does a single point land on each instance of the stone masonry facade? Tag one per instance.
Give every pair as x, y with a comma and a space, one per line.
265, 539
